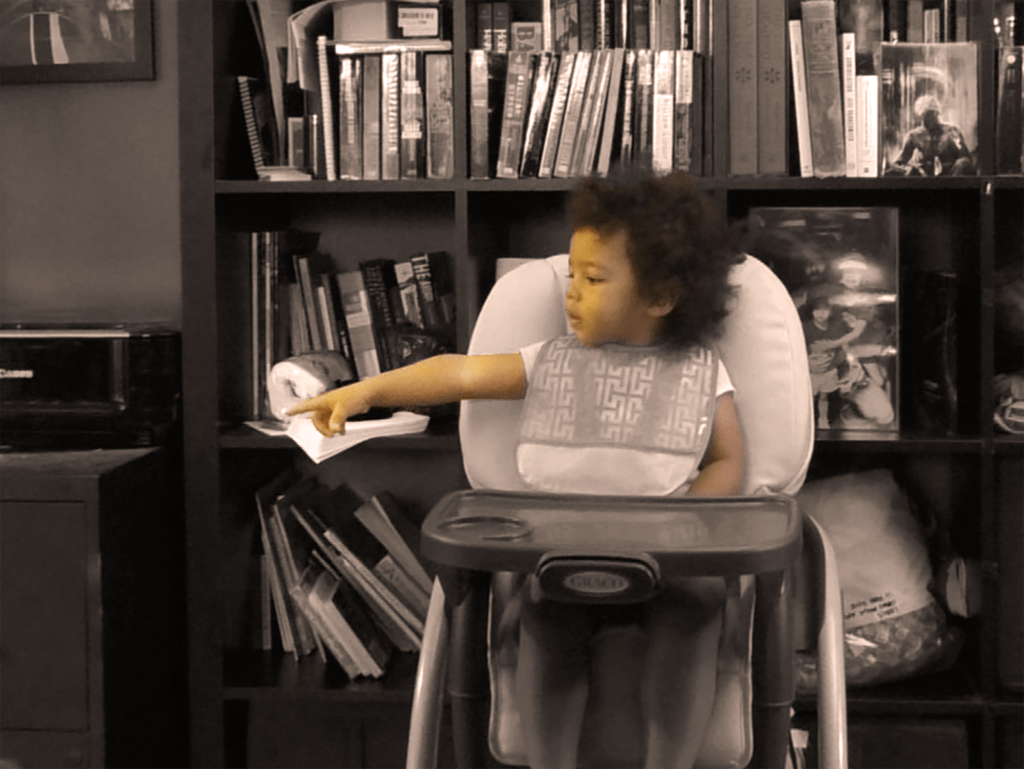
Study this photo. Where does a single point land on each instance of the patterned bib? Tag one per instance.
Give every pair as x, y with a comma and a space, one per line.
616, 420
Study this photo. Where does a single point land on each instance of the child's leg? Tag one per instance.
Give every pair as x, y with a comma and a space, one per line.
683, 628
552, 678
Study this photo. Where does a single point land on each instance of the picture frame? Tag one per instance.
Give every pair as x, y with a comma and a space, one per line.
76, 41
841, 266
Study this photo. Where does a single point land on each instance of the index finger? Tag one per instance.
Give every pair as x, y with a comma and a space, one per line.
308, 405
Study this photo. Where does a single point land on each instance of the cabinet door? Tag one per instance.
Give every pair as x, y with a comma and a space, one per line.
44, 625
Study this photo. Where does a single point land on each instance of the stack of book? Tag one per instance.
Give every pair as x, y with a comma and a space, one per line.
384, 314
547, 114
341, 576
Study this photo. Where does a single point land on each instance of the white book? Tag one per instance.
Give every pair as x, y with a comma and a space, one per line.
867, 125
803, 124
664, 111
847, 54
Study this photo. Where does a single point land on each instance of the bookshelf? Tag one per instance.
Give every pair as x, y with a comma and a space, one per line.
251, 708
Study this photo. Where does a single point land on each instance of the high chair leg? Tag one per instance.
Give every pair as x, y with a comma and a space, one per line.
469, 684
428, 695
774, 678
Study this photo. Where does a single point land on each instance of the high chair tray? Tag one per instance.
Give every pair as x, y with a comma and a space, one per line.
512, 531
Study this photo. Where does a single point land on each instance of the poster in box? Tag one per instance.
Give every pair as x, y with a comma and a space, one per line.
840, 265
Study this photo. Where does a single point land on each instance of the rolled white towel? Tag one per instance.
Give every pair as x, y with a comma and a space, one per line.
305, 376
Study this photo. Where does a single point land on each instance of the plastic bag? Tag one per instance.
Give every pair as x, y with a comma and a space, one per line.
894, 627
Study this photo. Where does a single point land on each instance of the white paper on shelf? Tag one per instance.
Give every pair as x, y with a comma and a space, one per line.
319, 448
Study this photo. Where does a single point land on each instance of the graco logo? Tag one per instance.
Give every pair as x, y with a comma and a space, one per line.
596, 583
16, 373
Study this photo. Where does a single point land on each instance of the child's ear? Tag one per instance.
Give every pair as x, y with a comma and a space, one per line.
665, 300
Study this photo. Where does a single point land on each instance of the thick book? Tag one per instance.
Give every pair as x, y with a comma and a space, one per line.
801, 108
518, 83
359, 321
539, 113
824, 97
433, 271
412, 151
743, 86
553, 132
573, 111
663, 138
841, 266
772, 94
371, 116
486, 98
350, 119
440, 116
1010, 112
390, 116
929, 109
379, 280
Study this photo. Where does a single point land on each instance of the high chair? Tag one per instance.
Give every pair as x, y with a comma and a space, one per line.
590, 548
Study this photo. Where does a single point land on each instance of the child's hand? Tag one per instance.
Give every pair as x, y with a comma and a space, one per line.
330, 411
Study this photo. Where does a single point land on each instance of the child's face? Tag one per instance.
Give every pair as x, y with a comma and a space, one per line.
603, 300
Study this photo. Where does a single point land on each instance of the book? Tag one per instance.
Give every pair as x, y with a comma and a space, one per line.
259, 125
265, 497
350, 119
865, 19
743, 86
487, 72
526, 36
390, 116
663, 129
539, 112
440, 116
639, 24
485, 26
327, 109
848, 69
643, 108
318, 448
587, 16
772, 94
330, 635
841, 266
518, 83
412, 151
379, 280
573, 111
356, 304
501, 21
383, 518
1009, 112
800, 105
628, 107
553, 133
566, 26
309, 268
867, 125
824, 98
433, 273
371, 116
589, 131
929, 109
612, 109
686, 151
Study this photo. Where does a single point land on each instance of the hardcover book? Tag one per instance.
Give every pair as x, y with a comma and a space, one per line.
487, 72
573, 111
350, 119
841, 266
553, 132
743, 86
539, 113
800, 106
929, 109
824, 98
440, 116
371, 116
772, 101
412, 152
518, 84
390, 116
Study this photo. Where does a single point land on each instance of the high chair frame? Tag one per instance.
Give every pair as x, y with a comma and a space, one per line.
496, 528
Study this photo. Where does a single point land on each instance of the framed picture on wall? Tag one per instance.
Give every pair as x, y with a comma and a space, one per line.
59, 41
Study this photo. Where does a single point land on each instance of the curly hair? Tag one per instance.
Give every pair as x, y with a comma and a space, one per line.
677, 240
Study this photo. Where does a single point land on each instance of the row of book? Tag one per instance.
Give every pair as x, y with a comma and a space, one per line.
383, 314
575, 114
340, 576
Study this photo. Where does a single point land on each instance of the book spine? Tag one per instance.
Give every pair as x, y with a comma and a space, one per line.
640, 23
390, 115
682, 132
743, 86
573, 110
611, 113
518, 81
371, 116
552, 134
440, 116
849, 68
327, 108
356, 303
579, 151
1009, 140
643, 125
251, 128
478, 113
539, 113
628, 106
412, 153
594, 132
668, 26
588, 24
664, 111
824, 99
379, 277
350, 120
502, 21
800, 106
485, 26
867, 125
772, 101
